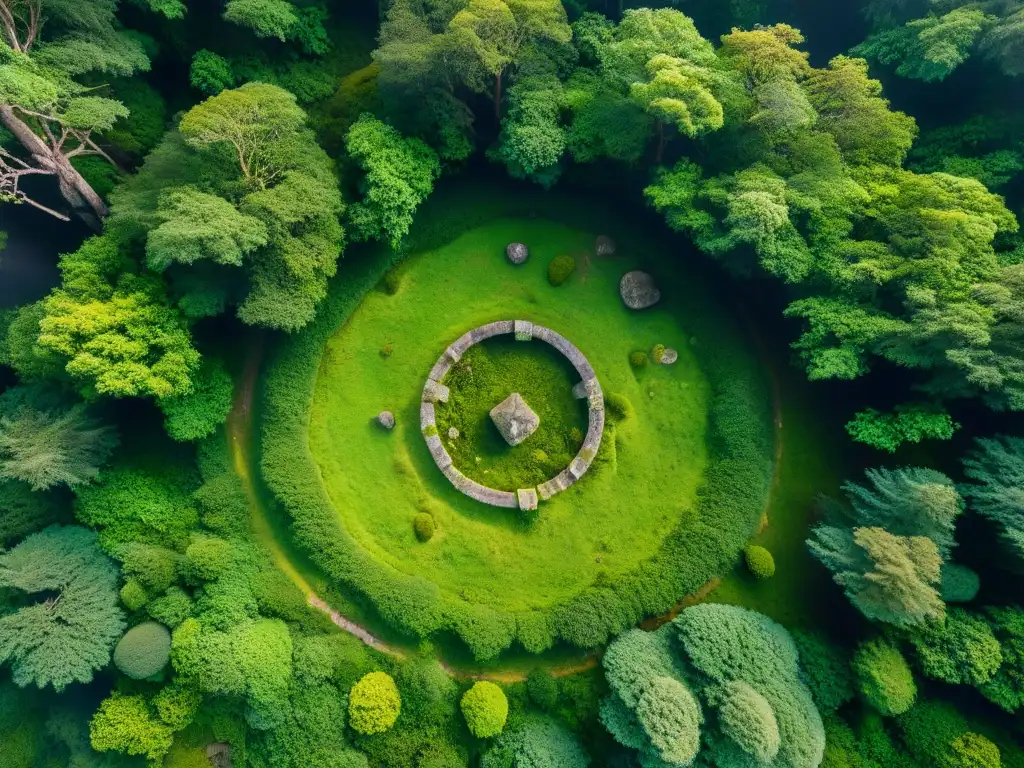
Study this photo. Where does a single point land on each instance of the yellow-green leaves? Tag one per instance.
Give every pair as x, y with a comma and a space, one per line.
678, 93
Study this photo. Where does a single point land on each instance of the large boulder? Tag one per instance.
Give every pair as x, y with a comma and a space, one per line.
386, 419
638, 290
514, 419
517, 253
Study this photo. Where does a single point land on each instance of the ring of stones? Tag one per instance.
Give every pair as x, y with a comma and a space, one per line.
434, 391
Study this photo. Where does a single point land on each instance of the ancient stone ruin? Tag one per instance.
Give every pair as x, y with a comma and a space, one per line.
513, 416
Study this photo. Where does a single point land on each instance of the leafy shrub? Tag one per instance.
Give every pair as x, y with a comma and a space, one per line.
538, 743
747, 718
905, 424
884, 678
826, 668
133, 595
210, 73
638, 359
929, 730
374, 703
960, 650
199, 413
143, 651
972, 750
542, 688
485, 708
618, 406
128, 724
670, 717
560, 268
657, 352
172, 608
959, 583
423, 525
759, 562
206, 558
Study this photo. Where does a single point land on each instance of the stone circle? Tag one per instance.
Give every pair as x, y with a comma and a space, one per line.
517, 253
604, 246
435, 395
386, 419
638, 290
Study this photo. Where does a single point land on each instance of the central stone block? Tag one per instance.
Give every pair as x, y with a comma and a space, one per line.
514, 419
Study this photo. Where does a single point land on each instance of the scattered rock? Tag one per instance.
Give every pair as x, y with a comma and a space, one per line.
386, 419
517, 253
604, 246
514, 419
638, 290
669, 356
453, 433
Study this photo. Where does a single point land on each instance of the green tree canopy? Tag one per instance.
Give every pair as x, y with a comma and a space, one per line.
996, 467
47, 441
400, 174
238, 206
68, 634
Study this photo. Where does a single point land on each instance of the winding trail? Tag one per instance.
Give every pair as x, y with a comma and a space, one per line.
241, 440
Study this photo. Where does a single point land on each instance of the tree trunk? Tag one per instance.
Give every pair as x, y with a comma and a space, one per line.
497, 98
82, 198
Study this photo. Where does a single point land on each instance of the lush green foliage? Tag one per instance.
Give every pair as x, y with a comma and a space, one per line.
884, 678
905, 424
400, 174
67, 633
759, 562
144, 650
47, 441
485, 708
994, 466
374, 703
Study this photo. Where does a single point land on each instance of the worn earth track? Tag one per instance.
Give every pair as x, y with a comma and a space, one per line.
241, 440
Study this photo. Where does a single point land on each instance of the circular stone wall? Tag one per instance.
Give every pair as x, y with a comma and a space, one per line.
678, 485
435, 394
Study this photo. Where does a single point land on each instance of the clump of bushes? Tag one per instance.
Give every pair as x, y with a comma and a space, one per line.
618, 406
485, 708
423, 525
638, 359
133, 595
374, 703
560, 268
759, 562
143, 651
959, 583
542, 689
658, 352
884, 677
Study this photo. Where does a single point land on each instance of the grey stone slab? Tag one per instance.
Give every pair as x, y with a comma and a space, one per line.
577, 467
586, 388
427, 415
437, 450
435, 392
440, 369
527, 498
523, 330
596, 402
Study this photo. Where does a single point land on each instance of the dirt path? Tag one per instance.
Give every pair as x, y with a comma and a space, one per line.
240, 438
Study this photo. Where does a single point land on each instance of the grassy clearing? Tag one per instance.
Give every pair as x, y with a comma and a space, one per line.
604, 527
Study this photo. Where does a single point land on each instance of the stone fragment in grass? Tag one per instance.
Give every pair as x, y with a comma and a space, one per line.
386, 419
638, 290
514, 419
527, 498
517, 253
669, 356
604, 246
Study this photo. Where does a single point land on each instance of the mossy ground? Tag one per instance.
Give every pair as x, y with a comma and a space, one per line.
605, 526
484, 377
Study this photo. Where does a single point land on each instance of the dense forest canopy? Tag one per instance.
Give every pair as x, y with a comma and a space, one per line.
242, 178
